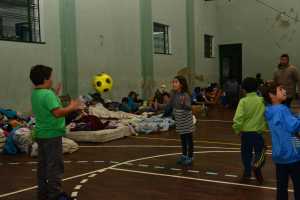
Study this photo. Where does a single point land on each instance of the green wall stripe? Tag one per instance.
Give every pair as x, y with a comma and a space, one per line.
146, 47
68, 36
190, 27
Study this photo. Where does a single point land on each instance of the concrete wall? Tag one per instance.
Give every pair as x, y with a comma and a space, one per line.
264, 34
109, 41
206, 23
166, 66
17, 59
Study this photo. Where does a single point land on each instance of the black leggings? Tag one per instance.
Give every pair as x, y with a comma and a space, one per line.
187, 144
283, 172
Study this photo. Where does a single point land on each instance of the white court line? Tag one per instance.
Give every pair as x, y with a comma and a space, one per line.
143, 165
99, 161
116, 165
84, 181
74, 194
175, 169
14, 163
231, 175
32, 163
92, 175
78, 187
212, 173
194, 171
197, 179
82, 161
159, 167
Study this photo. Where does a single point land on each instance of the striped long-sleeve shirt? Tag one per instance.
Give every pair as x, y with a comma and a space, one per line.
182, 112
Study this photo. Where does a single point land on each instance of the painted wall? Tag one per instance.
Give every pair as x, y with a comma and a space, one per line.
265, 34
206, 23
109, 41
17, 59
166, 66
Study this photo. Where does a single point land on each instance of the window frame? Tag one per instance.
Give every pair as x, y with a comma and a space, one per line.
209, 42
166, 39
32, 5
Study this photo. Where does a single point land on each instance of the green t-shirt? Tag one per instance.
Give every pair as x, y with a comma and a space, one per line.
44, 101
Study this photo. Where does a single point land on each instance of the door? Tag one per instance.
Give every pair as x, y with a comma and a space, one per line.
230, 62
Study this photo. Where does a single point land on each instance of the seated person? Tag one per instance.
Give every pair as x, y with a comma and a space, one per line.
158, 96
213, 94
133, 102
165, 101
124, 105
198, 96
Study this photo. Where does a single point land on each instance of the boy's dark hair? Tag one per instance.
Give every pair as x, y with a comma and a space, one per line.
285, 56
132, 93
268, 89
40, 73
183, 83
258, 75
249, 84
124, 100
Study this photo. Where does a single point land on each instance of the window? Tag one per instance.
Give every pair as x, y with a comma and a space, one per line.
20, 20
208, 46
161, 39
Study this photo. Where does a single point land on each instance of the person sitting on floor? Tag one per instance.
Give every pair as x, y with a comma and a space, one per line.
161, 106
133, 102
213, 94
158, 96
124, 105
198, 96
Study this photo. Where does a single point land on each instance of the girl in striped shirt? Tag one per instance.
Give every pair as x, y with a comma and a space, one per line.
182, 110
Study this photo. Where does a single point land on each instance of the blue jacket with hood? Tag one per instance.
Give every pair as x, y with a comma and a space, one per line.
284, 127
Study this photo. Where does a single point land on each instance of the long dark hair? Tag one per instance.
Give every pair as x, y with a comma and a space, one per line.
183, 83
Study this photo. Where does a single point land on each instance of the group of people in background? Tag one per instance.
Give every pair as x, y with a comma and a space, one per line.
263, 104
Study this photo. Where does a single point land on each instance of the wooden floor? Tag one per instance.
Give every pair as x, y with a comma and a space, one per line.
144, 167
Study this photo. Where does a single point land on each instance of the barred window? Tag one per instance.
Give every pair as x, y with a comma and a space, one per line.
208, 46
161, 38
20, 20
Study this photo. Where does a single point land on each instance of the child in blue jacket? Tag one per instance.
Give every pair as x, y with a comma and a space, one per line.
284, 127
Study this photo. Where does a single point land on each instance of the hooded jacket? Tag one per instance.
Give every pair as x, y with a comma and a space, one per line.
284, 127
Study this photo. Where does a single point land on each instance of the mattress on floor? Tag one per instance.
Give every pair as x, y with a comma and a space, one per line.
99, 136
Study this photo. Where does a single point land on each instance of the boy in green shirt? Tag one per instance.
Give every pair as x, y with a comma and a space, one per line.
250, 123
50, 127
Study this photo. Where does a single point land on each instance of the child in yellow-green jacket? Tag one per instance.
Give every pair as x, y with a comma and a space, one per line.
249, 122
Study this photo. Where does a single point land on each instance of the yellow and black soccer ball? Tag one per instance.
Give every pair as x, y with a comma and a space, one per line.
102, 82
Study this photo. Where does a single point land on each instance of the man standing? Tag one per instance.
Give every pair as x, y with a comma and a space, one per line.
287, 75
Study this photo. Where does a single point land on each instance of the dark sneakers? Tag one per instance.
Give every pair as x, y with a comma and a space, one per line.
64, 196
245, 178
185, 161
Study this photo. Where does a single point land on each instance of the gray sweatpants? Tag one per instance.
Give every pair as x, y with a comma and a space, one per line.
50, 168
